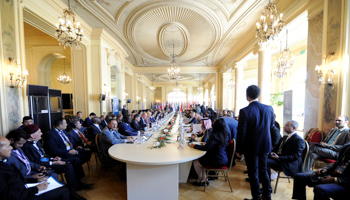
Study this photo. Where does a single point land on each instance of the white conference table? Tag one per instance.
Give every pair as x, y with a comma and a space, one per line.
155, 173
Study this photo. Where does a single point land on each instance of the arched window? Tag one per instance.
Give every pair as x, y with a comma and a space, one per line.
176, 96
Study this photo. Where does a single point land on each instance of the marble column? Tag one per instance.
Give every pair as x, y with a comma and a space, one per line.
314, 57
264, 75
240, 95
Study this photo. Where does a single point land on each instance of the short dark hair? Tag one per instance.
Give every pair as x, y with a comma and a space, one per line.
93, 114
95, 119
26, 118
253, 91
58, 122
74, 123
126, 116
136, 115
17, 134
79, 112
74, 117
110, 120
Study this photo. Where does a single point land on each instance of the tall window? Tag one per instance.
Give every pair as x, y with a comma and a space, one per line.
176, 96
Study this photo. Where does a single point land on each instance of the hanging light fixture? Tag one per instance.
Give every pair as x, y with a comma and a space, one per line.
68, 31
64, 79
177, 86
173, 70
285, 60
152, 88
324, 69
269, 25
199, 88
231, 84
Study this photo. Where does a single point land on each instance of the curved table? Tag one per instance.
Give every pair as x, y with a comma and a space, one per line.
154, 173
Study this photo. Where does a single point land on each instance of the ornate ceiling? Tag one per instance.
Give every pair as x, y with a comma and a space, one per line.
203, 32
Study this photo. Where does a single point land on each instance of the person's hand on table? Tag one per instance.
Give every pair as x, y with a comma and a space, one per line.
130, 139
192, 145
193, 136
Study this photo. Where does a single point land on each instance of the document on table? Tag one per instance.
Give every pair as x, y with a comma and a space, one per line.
53, 184
197, 128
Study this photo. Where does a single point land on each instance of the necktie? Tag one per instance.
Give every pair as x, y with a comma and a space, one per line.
24, 160
83, 137
116, 135
66, 140
39, 150
333, 137
282, 143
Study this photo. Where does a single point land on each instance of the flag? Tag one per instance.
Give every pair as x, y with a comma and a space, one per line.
151, 105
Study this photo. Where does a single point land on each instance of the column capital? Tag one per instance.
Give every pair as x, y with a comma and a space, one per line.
241, 65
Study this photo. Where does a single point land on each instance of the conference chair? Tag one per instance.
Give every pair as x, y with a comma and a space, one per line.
231, 147
279, 170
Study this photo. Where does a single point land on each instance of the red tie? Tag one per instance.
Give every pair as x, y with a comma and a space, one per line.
83, 137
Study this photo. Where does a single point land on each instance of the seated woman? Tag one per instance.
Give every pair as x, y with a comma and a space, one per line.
206, 131
216, 155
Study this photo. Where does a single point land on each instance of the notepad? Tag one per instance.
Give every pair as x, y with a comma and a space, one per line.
197, 128
53, 184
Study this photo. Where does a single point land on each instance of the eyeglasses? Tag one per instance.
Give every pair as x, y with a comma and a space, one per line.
337, 120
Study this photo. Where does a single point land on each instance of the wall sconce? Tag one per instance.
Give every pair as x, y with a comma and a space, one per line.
17, 77
138, 99
145, 99
321, 69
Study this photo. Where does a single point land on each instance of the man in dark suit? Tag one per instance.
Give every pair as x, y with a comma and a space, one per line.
287, 154
57, 142
143, 118
124, 111
88, 120
13, 184
254, 141
203, 110
231, 125
135, 124
332, 181
36, 154
79, 115
103, 122
94, 129
125, 128
26, 121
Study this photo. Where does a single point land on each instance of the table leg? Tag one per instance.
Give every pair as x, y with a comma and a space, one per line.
184, 171
152, 181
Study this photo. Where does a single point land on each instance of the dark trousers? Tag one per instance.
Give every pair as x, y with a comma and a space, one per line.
57, 194
257, 168
77, 165
68, 171
321, 191
272, 164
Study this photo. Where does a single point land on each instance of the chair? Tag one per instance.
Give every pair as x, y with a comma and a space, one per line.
104, 165
316, 137
279, 170
231, 147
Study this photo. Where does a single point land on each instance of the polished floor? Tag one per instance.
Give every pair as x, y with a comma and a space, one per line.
110, 185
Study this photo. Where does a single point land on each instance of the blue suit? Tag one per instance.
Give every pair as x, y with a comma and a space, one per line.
231, 125
152, 119
254, 140
142, 123
108, 138
193, 121
15, 161
126, 129
87, 122
203, 110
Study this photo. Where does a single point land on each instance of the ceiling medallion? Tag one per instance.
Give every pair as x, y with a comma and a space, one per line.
173, 70
269, 26
68, 31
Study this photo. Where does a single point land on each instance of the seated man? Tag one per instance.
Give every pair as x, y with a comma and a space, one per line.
26, 121
109, 137
36, 154
57, 142
287, 154
331, 145
135, 123
13, 185
193, 119
125, 128
332, 181
95, 128
103, 121
77, 136
29, 170
143, 120
88, 120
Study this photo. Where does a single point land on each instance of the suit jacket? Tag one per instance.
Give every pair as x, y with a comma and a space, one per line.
253, 135
193, 121
343, 139
81, 121
291, 155
343, 178
32, 153
124, 112
136, 126
87, 122
231, 125
93, 131
127, 130
13, 184
275, 136
54, 145
76, 138
203, 110
108, 138
15, 161
103, 124
142, 123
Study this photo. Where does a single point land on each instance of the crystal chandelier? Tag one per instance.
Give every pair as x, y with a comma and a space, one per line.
173, 70
269, 25
68, 31
177, 86
199, 88
285, 61
231, 84
64, 79
152, 88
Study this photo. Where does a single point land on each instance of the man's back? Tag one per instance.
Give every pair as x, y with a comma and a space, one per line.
254, 126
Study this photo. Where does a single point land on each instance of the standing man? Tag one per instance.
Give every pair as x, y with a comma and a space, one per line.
203, 110
80, 114
124, 111
88, 120
254, 141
